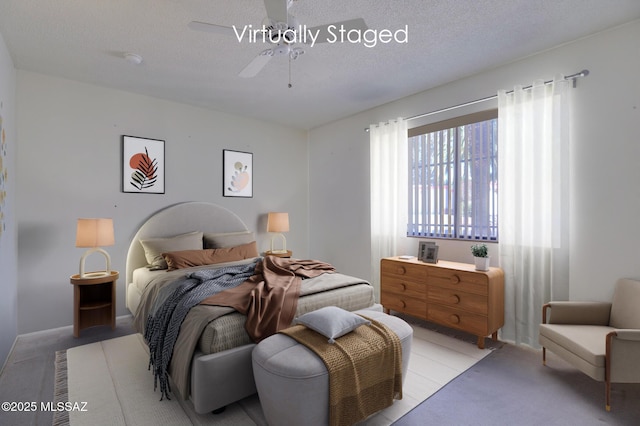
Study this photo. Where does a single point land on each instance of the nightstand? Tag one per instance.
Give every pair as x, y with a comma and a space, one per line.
289, 253
94, 301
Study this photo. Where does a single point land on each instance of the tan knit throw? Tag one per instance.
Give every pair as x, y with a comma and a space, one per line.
365, 369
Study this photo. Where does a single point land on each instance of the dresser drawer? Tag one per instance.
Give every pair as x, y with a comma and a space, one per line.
413, 271
471, 302
403, 287
455, 318
459, 280
398, 303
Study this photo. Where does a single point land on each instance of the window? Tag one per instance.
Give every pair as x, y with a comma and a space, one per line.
453, 178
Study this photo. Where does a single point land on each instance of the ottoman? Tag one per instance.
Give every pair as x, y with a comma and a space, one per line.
293, 382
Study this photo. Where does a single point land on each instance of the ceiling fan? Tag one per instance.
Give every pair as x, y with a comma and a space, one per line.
281, 31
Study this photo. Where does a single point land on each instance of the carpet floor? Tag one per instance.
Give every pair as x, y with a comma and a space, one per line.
508, 387
512, 387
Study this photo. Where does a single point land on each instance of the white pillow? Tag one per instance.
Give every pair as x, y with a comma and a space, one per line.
331, 321
154, 247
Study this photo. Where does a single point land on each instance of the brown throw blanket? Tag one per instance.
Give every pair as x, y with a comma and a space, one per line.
270, 297
365, 369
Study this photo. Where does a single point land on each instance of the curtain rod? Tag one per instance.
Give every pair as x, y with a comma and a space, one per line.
572, 77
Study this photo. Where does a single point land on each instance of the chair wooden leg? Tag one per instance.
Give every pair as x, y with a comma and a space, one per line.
607, 370
544, 356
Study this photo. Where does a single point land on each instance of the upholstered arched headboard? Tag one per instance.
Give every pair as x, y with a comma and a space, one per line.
180, 219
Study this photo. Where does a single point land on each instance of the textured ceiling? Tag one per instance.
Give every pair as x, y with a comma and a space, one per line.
447, 40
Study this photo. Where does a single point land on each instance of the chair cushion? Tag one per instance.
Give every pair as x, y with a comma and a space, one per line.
624, 306
587, 342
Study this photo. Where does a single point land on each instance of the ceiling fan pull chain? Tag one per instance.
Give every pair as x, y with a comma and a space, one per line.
290, 85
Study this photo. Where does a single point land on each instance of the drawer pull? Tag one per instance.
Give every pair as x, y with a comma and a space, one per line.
455, 279
400, 270
455, 319
403, 286
455, 299
404, 305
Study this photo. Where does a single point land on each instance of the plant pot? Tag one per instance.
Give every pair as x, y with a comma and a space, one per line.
482, 263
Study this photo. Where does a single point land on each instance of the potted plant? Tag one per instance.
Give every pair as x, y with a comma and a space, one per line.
481, 256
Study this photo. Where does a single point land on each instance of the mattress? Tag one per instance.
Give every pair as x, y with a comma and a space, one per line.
227, 331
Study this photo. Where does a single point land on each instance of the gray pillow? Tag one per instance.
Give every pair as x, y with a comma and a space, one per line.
227, 239
331, 321
154, 247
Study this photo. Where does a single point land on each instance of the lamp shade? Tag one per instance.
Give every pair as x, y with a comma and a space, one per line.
95, 233
278, 222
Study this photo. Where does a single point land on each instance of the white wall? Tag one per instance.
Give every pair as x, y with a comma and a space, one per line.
68, 166
605, 197
8, 239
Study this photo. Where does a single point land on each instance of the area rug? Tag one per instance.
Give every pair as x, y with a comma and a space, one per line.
108, 383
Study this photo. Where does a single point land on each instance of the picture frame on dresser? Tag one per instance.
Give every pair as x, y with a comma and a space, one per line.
428, 252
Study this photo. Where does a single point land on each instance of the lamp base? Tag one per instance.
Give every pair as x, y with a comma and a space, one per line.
283, 250
286, 253
107, 259
90, 277
96, 274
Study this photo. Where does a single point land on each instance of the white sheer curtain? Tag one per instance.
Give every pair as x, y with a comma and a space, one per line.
534, 133
389, 186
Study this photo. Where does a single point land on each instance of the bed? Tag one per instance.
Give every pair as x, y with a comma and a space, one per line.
220, 370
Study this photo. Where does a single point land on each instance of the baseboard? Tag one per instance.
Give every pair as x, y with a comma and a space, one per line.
63, 328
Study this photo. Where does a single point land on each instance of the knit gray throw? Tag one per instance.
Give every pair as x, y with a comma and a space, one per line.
163, 324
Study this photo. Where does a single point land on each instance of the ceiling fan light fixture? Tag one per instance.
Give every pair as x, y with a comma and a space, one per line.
280, 26
295, 52
133, 58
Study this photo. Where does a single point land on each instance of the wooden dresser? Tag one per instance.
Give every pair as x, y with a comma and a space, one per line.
448, 293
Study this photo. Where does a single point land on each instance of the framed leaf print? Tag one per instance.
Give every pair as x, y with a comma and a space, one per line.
237, 169
142, 165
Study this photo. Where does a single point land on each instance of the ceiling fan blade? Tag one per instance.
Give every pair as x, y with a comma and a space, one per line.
256, 65
238, 33
211, 28
276, 10
323, 30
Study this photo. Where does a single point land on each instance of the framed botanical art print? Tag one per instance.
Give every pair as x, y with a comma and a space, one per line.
142, 165
237, 169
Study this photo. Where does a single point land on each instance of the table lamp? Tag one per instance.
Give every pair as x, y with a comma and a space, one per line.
94, 234
278, 223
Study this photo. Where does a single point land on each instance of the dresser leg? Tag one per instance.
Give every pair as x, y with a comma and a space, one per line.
481, 342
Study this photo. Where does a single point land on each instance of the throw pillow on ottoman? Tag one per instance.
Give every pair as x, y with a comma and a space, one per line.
293, 381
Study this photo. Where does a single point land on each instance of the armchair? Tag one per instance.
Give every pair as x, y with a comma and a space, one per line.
601, 339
